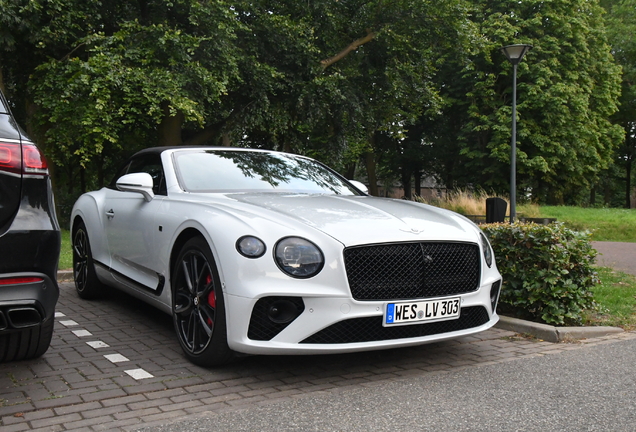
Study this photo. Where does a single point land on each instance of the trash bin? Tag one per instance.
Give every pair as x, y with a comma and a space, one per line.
495, 210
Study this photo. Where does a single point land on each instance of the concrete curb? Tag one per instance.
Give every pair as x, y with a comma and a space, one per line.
65, 275
554, 334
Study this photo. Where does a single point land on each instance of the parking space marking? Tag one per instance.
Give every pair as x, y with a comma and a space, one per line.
68, 323
115, 358
82, 333
59, 315
98, 344
139, 374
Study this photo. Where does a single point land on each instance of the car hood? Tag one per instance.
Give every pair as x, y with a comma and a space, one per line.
355, 220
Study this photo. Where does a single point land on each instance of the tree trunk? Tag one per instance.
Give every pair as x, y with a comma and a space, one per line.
607, 196
101, 175
350, 171
82, 180
628, 182
226, 139
373, 181
351, 47
406, 184
417, 177
170, 127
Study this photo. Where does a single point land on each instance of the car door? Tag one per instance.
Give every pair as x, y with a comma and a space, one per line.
131, 228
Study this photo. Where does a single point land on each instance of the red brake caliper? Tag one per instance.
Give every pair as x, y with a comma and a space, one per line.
211, 297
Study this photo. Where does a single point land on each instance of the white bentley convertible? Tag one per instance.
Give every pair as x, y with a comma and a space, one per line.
261, 252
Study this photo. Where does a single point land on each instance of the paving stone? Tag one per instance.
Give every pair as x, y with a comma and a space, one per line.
16, 428
103, 411
99, 395
123, 400
80, 408
166, 393
87, 423
56, 420
18, 417
57, 402
136, 414
119, 424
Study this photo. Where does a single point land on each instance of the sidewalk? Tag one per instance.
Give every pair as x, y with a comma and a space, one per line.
618, 255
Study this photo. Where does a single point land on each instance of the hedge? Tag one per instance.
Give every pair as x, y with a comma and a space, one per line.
547, 271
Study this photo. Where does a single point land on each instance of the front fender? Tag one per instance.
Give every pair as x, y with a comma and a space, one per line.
89, 208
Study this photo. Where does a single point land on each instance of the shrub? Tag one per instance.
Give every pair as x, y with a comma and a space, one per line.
547, 271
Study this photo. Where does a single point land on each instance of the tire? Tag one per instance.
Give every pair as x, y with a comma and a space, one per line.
27, 343
87, 285
198, 307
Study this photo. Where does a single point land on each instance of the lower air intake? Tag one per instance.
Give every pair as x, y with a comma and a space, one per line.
370, 329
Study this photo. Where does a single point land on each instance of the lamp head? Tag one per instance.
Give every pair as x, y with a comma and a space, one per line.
515, 53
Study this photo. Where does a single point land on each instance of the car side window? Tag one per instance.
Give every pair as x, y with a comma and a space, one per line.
151, 164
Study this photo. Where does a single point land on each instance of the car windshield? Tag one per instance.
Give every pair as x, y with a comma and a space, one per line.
247, 171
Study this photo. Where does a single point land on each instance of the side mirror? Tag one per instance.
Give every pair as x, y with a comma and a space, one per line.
137, 182
360, 186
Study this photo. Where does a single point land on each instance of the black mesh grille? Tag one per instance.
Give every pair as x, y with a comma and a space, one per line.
371, 329
412, 270
261, 327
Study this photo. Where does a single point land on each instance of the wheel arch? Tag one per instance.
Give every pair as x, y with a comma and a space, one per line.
181, 240
87, 210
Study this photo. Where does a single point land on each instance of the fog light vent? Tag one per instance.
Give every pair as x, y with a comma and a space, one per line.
271, 315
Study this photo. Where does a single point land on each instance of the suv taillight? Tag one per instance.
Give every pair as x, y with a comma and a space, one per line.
10, 158
29, 161
34, 162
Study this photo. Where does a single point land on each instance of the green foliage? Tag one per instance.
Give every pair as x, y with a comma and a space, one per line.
416, 87
621, 27
568, 87
547, 271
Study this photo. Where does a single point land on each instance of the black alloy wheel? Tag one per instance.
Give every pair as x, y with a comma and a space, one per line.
198, 307
86, 282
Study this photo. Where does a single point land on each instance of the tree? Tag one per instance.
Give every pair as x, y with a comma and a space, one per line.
621, 25
323, 78
568, 87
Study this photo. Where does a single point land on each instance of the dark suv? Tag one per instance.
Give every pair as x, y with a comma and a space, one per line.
29, 245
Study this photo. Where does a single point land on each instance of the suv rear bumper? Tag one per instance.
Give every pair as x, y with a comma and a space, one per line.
24, 305
28, 283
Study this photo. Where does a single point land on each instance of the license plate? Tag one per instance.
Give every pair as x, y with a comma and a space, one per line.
416, 312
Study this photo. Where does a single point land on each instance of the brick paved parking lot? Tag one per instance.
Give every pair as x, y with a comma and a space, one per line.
115, 364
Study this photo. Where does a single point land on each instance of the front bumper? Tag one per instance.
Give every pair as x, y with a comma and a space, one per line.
340, 325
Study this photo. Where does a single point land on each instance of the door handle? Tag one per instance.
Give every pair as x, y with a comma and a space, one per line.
110, 214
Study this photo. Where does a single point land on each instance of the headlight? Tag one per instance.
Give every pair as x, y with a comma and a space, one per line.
298, 257
250, 247
487, 249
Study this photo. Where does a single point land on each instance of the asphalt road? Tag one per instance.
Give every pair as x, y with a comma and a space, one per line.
589, 389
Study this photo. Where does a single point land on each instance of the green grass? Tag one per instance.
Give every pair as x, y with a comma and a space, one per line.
66, 254
606, 224
616, 297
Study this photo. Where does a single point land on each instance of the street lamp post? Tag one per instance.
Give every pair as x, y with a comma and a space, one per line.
514, 53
